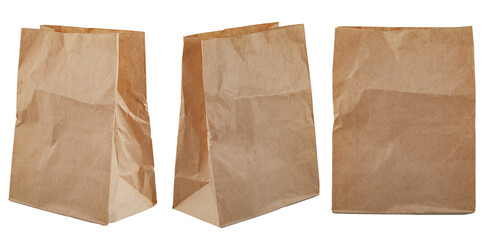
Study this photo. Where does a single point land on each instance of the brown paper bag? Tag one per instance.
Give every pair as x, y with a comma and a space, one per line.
82, 143
404, 131
246, 142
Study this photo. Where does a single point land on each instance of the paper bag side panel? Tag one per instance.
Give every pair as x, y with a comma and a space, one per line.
193, 186
404, 130
65, 112
133, 178
260, 120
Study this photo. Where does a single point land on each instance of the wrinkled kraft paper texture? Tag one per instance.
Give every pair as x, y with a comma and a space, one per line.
246, 143
82, 144
404, 130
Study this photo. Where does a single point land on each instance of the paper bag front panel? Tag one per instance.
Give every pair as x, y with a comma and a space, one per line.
260, 126
65, 119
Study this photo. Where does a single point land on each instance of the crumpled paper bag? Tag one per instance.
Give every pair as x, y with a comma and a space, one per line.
246, 143
404, 130
82, 144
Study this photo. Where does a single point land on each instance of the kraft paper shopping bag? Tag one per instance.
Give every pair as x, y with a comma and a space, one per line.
246, 143
404, 130
82, 144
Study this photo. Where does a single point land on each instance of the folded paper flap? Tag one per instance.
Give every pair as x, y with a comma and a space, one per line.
230, 32
235, 32
294, 36
50, 31
299, 27
459, 36
68, 29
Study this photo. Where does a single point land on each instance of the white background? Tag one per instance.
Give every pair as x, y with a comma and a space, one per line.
165, 24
